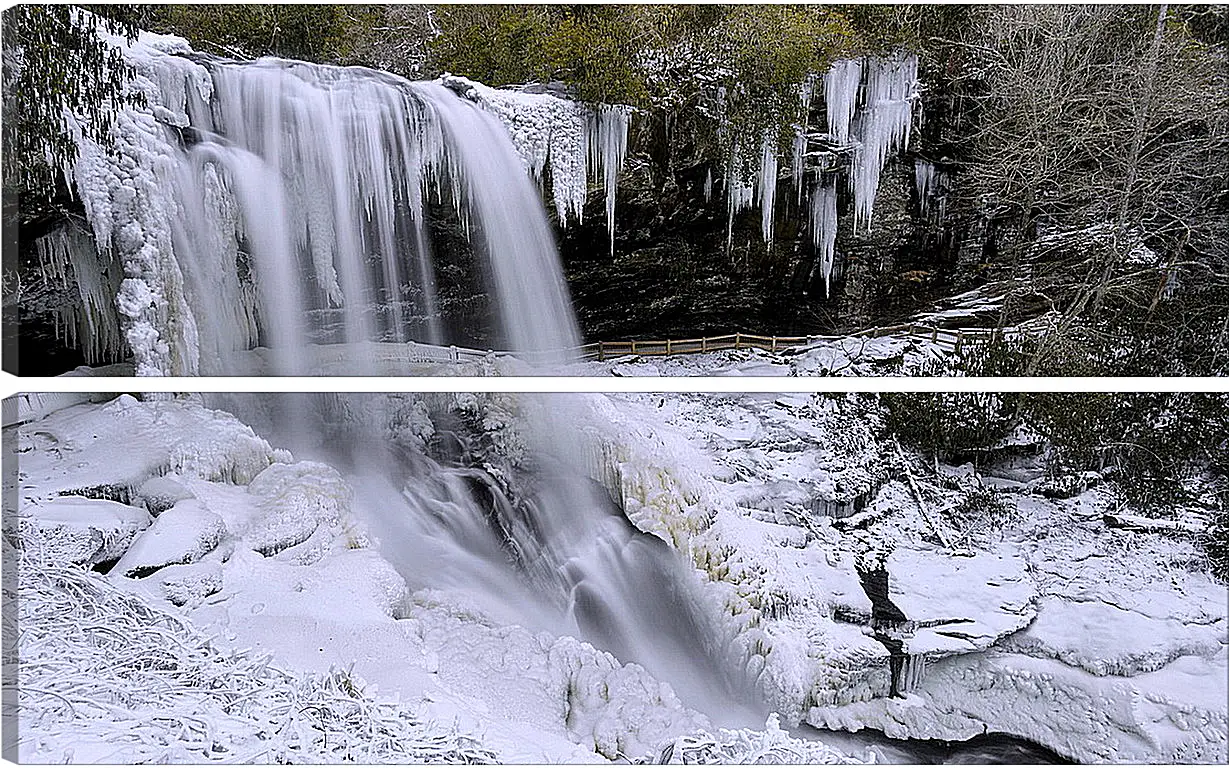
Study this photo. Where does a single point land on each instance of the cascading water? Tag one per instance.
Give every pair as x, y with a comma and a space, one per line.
538, 545
285, 204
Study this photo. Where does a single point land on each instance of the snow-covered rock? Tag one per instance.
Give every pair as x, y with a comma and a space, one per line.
85, 531
990, 595
182, 534
294, 502
110, 450
161, 493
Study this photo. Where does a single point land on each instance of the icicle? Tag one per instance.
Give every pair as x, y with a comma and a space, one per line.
823, 227
806, 93
609, 150
708, 186
914, 668
92, 321
799, 158
767, 185
840, 97
883, 128
924, 180
739, 195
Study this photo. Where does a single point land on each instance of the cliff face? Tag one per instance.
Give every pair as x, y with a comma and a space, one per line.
674, 274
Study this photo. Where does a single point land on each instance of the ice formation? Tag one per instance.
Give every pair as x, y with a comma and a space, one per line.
70, 250
608, 149
823, 227
574, 140
767, 185
873, 126
284, 204
883, 128
841, 95
798, 159
925, 181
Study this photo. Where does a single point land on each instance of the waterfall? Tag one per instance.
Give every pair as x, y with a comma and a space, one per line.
285, 204
529, 541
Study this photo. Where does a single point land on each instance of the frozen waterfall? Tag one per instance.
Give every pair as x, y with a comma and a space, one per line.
285, 205
883, 127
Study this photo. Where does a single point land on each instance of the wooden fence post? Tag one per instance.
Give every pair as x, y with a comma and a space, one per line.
738, 337
601, 350
704, 344
774, 343
633, 346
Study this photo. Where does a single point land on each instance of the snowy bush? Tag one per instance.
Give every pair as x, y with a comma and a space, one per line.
123, 681
771, 746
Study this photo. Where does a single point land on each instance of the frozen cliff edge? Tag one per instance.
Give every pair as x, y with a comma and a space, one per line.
1096, 656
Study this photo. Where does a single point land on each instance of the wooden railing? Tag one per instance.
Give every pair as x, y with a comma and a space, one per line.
953, 339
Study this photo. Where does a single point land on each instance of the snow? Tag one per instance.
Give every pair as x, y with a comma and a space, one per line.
930, 585
1099, 642
106, 676
78, 449
85, 531
897, 354
1139, 677
161, 493
182, 534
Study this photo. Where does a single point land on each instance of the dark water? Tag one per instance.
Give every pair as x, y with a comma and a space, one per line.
987, 749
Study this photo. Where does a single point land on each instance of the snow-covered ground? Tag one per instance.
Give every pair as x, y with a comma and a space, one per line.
1101, 643
893, 355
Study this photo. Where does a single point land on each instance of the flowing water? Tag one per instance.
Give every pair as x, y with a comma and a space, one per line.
545, 547
331, 170
286, 205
